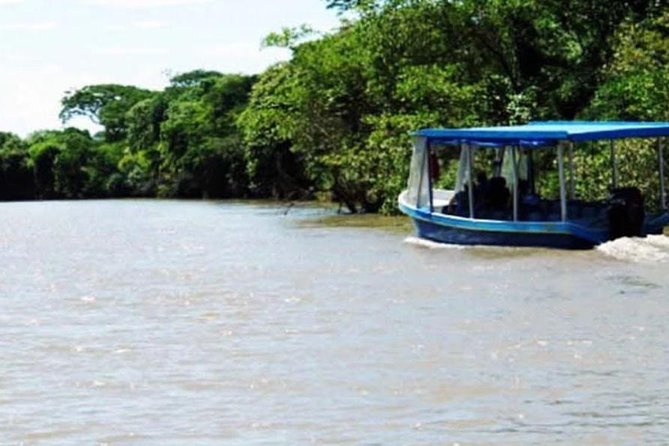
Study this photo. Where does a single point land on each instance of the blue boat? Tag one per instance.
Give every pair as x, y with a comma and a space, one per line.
506, 208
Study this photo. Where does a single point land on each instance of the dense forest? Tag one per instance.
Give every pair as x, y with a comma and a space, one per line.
333, 122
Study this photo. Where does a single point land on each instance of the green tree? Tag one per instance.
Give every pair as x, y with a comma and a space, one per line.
16, 180
69, 164
636, 82
635, 86
193, 78
200, 147
106, 105
268, 125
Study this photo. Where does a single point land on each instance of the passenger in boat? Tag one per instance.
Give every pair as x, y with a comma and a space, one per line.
523, 187
489, 195
498, 195
529, 201
459, 204
481, 189
626, 212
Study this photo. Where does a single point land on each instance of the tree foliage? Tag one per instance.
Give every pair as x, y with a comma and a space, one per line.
106, 105
335, 120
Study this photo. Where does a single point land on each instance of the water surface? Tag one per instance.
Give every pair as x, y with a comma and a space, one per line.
196, 323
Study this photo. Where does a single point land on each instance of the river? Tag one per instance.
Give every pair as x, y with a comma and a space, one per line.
146, 322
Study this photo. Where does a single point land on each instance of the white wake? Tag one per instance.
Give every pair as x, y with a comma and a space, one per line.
429, 244
652, 249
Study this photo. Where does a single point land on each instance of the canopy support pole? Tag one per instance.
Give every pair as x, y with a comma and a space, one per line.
499, 160
572, 184
663, 190
614, 166
430, 169
563, 191
530, 172
514, 159
421, 176
470, 182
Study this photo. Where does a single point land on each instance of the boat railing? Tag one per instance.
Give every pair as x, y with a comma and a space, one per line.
540, 210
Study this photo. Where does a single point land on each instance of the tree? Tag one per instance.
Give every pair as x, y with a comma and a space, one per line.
69, 164
106, 105
636, 82
200, 147
335, 120
16, 181
268, 124
193, 78
635, 87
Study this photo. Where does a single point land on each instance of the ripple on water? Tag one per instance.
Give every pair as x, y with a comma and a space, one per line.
172, 322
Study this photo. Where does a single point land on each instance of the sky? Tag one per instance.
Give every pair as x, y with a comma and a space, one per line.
48, 47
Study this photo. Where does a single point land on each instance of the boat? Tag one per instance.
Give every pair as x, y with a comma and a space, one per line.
504, 206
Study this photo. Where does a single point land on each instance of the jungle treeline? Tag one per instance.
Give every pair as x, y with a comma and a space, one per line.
334, 121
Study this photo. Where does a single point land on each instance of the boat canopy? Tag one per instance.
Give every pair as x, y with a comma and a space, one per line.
545, 133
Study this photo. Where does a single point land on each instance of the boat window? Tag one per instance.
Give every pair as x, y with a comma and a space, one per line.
419, 183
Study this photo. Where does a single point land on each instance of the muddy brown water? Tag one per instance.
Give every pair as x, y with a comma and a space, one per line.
196, 323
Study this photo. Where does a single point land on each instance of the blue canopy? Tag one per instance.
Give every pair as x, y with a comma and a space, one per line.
547, 133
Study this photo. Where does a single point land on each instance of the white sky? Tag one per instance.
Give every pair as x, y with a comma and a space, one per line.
50, 46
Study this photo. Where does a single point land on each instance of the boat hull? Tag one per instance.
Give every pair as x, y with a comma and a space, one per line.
460, 236
465, 231
550, 234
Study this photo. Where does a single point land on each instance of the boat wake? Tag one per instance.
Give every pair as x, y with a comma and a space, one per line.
652, 249
429, 244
